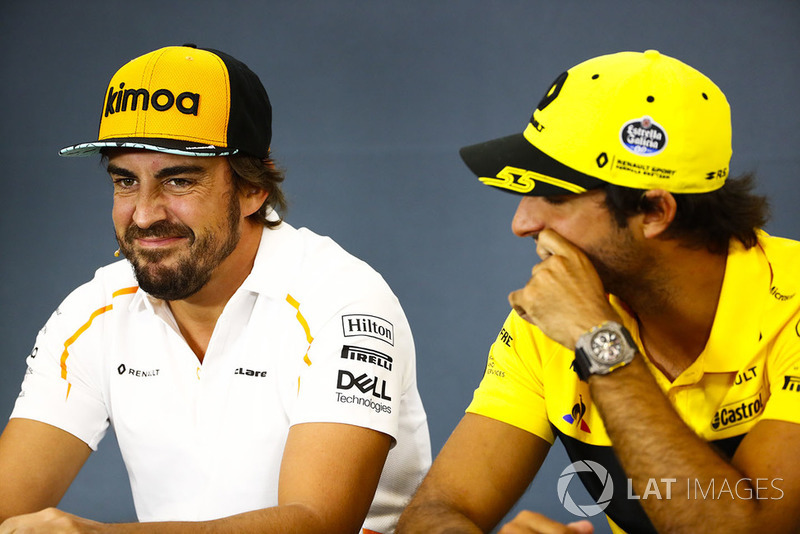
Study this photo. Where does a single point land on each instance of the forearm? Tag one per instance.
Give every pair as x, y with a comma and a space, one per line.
434, 517
666, 461
290, 518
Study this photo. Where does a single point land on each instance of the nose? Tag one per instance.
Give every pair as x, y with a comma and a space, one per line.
528, 219
149, 208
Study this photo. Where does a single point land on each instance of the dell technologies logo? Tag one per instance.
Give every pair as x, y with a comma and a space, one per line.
363, 383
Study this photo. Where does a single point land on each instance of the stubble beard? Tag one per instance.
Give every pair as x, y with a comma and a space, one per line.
629, 272
193, 268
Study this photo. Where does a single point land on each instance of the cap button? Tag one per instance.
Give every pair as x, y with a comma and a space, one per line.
652, 54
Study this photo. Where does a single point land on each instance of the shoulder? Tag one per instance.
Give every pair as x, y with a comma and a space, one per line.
314, 269
340, 265
780, 249
96, 296
783, 257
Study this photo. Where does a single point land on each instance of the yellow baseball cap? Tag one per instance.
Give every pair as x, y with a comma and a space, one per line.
639, 120
184, 100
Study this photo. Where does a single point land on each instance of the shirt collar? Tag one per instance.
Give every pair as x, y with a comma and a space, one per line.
740, 308
736, 326
277, 260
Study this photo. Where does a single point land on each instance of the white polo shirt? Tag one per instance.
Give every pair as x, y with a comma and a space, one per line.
312, 335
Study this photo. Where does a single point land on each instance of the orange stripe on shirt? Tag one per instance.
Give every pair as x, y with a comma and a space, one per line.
302, 320
85, 327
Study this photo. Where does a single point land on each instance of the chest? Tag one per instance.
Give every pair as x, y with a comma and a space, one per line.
716, 406
161, 396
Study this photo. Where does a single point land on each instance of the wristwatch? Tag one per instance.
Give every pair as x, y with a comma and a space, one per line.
603, 349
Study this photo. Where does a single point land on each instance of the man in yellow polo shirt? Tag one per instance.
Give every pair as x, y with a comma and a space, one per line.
658, 338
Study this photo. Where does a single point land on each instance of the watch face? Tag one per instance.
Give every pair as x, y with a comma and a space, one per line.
606, 346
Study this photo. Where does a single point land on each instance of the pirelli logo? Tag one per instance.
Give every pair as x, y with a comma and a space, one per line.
374, 357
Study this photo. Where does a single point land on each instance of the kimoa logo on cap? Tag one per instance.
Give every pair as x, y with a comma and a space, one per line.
644, 137
161, 100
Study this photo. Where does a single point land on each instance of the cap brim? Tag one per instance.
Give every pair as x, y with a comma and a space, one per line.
513, 164
169, 146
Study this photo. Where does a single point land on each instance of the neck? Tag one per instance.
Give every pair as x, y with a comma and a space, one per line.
676, 315
197, 315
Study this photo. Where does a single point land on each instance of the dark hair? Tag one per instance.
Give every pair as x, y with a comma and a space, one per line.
707, 220
250, 171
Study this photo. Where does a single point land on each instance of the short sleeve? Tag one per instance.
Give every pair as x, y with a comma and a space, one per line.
360, 365
783, 370
61, 386
511, 390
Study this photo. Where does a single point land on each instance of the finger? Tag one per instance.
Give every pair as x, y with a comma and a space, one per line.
549, 242
542, 251
534, 523
581, 527
515, 301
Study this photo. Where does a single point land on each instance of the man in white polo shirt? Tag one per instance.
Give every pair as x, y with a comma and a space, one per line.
257, 376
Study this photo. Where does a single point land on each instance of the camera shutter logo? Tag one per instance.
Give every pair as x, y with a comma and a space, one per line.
585, 510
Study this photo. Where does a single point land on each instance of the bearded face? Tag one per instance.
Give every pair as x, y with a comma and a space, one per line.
176, 273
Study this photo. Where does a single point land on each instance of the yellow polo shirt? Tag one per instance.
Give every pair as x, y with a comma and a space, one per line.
748, 371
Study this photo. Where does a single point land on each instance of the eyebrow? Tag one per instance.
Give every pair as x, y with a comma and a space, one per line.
162, 173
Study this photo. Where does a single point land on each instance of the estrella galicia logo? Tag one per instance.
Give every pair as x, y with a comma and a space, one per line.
585, 510
368, 325
374, 357
643, 137
364, 383
737, 413
791, 383
160, 100
576, 417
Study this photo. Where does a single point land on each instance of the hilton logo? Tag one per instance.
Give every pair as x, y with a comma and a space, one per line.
368, 325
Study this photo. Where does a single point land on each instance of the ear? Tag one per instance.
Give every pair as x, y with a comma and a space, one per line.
661, 212
251, 199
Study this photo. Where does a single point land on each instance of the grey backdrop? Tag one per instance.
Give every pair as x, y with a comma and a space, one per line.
371, 101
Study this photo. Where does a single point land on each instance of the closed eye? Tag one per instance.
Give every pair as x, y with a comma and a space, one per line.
557, 199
